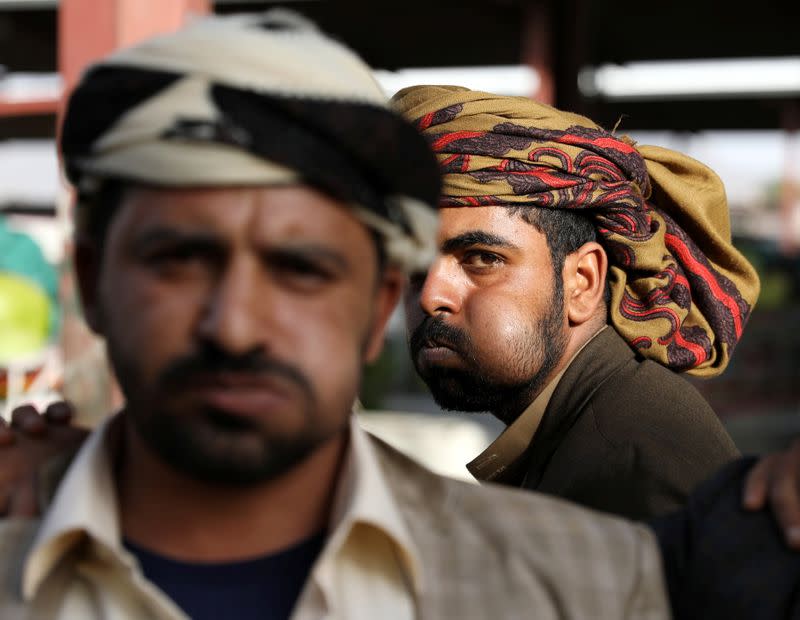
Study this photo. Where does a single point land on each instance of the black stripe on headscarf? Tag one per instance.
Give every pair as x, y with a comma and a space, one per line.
353, 151
103, 96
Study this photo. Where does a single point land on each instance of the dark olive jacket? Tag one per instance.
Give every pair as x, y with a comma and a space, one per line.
625, 435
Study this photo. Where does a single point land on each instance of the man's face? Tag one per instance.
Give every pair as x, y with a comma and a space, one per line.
487, 323
238, 321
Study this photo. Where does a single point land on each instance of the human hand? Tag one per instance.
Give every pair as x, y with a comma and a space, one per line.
775, 479
26, 445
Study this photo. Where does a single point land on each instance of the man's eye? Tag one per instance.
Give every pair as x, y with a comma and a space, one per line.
302, 271
481, 260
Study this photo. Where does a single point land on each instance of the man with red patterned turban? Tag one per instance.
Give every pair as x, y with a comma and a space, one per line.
578, 273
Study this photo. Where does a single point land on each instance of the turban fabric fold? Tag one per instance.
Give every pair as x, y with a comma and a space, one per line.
680, 292
262, 99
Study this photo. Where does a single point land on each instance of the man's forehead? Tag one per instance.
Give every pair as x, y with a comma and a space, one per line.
286, 210
496, 220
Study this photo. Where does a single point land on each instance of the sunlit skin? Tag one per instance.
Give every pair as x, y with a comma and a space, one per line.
284, 276
493, 281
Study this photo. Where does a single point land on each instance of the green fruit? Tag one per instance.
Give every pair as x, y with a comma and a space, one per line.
24, 318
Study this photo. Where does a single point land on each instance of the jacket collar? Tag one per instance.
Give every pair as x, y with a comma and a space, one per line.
600, 359
85, 508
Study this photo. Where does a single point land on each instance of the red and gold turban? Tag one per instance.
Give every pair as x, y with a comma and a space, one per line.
680, 292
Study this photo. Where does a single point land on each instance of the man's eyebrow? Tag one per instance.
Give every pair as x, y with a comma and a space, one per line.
158, 236
298, 252
308, 252
476, 237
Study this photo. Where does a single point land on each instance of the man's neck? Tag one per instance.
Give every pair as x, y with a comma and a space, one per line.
578, 340
170, 513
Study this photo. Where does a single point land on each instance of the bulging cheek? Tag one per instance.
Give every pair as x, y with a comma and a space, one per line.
491, 325
510, 330
498, 343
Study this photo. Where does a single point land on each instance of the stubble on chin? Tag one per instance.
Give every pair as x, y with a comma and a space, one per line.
209, 449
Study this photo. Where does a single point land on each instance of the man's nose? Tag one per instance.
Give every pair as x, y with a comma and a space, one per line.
440, 291
232, 319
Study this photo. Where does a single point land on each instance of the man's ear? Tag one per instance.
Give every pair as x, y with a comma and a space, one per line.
87, 272
387, 294
585, 283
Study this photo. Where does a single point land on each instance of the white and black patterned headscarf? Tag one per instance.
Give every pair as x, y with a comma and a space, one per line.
255, 100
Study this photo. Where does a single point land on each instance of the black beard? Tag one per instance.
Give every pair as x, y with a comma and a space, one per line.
210, 454
209, 445
470, 389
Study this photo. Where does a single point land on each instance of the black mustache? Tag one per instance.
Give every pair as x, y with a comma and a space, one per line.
433, 331
208, 362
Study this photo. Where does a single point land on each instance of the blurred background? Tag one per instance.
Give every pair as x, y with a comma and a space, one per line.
705, 78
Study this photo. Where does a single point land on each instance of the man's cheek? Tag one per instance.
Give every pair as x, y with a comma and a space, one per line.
162, 307
488, 322
344, 336
154, 329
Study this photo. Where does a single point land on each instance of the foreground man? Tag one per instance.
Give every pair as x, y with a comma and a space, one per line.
246, 204
576, 273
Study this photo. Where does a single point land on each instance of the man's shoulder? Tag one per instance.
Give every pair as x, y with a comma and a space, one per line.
521, 523
523, 550
642, 380
627, 393
643, 397
641, 439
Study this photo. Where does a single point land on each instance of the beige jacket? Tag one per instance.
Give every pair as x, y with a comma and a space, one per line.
432, 548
